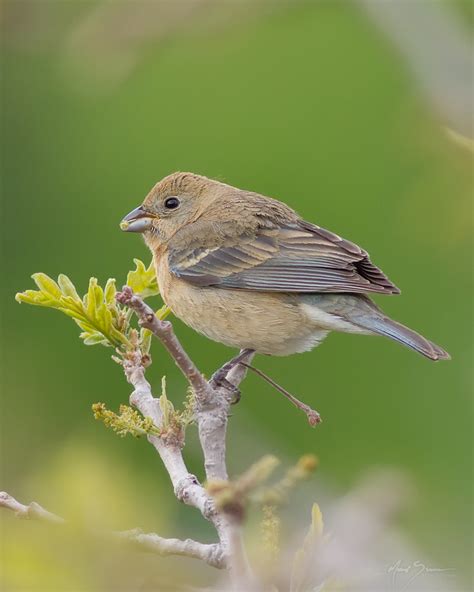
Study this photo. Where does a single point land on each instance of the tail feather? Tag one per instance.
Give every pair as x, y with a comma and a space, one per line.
384, 326
362, 313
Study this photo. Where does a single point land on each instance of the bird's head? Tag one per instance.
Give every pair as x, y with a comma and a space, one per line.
175, 201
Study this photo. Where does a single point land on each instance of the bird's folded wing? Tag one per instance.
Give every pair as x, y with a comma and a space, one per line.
296, 257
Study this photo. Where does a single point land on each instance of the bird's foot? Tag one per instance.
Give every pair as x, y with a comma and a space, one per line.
219, 380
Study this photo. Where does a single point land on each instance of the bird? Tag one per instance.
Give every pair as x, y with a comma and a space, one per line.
247, 271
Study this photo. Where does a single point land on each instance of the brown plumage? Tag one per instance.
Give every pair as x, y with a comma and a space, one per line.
246, 270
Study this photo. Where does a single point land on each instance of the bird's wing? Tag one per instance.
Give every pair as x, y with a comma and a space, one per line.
295, 257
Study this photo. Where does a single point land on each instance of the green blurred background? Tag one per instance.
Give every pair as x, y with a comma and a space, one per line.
309, 103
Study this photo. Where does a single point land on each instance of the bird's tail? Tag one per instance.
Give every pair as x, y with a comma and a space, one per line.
362, 313
382, 325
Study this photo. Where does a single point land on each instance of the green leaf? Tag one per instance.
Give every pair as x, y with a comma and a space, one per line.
143, 280
90, 299
110, 291
74, 314
145, 340
105, 317
99, 297
163, 312
67, 287
33, 297
47, 285
93, 338
166, 406
100, 317
118, 338
85, 325
68, 303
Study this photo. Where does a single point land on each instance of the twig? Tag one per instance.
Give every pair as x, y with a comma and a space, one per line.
313, 416
186, 486
164, 331
32, 510
211, 554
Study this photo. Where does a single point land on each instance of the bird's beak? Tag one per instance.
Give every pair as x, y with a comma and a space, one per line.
138, 220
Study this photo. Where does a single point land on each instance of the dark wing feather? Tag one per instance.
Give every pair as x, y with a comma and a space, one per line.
296, 257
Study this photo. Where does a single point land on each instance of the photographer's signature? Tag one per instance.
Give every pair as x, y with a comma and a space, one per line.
404, 574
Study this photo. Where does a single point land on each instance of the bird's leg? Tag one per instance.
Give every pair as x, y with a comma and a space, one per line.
219, 378
313, 416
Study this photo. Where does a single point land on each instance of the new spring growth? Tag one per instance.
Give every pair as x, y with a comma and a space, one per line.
127, 421
175, 421
130, 421
102, 320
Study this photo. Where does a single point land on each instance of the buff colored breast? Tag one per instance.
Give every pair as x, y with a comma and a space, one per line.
261, 321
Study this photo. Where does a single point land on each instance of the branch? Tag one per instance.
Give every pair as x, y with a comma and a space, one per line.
186, 486
32, 510
164, 331
153, 543
212, 409
212, 404
212, 416
150, 542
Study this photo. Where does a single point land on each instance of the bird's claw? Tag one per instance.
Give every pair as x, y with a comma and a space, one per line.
218, 381
218, 378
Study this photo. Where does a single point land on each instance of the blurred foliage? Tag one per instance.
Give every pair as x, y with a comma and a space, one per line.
466, 10
305, 555
308, 103
252, 484
234, 497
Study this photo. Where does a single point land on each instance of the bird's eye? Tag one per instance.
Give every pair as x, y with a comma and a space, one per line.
171, 203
